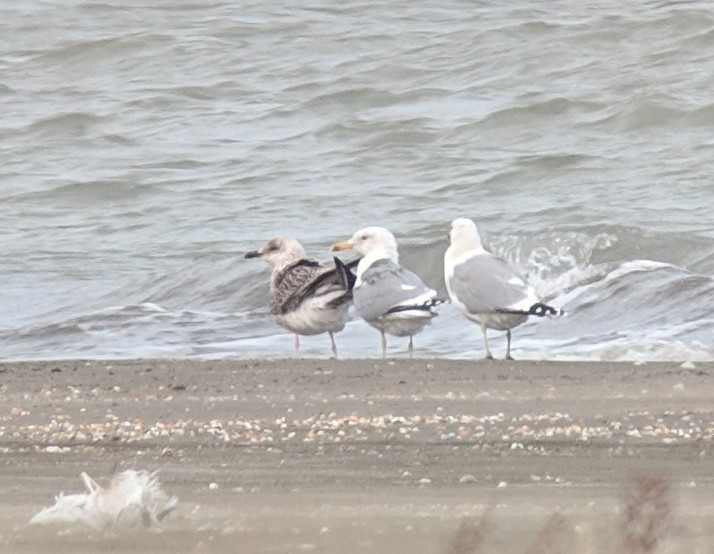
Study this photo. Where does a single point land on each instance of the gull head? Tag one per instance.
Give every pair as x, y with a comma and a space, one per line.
376, 242
279, 251
464, 234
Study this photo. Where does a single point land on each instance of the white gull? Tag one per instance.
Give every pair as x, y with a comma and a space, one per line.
386, 295
485, 288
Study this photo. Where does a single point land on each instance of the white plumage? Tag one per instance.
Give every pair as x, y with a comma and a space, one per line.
485, 288
386, 295
132, 499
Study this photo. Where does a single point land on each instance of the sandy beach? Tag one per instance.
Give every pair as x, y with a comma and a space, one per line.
312, 455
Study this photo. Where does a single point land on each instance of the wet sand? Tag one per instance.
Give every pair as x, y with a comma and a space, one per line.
362, 455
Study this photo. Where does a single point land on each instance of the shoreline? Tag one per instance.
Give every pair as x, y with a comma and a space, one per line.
395, 453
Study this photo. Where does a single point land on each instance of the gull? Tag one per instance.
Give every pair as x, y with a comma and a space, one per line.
485, 288
307, 297
387, 296
132, 498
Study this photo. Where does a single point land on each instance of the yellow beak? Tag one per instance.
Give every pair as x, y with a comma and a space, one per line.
343, 245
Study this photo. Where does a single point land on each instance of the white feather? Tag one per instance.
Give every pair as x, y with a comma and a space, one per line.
133, 498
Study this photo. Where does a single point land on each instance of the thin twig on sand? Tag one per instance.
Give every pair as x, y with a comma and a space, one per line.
647, 512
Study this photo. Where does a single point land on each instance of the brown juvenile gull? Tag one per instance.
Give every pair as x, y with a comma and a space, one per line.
485, 288
307, 297
387, 296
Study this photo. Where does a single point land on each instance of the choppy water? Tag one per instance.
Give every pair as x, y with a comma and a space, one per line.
145, 146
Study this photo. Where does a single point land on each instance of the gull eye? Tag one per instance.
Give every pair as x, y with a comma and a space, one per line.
363, 237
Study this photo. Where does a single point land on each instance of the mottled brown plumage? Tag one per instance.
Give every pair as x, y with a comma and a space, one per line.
305, 278
307, 298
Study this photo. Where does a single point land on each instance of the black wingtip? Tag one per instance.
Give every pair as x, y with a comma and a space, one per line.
340, 300
346, 276
353, 264
253, 254
428, 306
541, 310
437, 302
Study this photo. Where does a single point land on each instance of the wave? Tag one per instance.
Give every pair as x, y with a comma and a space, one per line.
137, 330
65, 124
639, 309
99, 50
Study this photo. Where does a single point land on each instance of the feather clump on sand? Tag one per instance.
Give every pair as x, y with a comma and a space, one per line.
132, 499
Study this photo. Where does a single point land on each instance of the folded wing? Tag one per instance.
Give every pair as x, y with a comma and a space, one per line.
387, 287
308, 278
486, 284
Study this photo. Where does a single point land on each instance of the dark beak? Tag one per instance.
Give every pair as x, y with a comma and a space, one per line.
254, 254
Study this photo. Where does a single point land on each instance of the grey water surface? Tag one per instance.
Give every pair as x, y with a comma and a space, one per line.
146, 146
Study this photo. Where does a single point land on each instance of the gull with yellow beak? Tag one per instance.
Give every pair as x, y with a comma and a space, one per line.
387, 296
485, 288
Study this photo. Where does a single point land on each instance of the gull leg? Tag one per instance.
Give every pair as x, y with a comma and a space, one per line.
297, 342
411, 346
384, 346
508, 348
334, 346
485, 343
